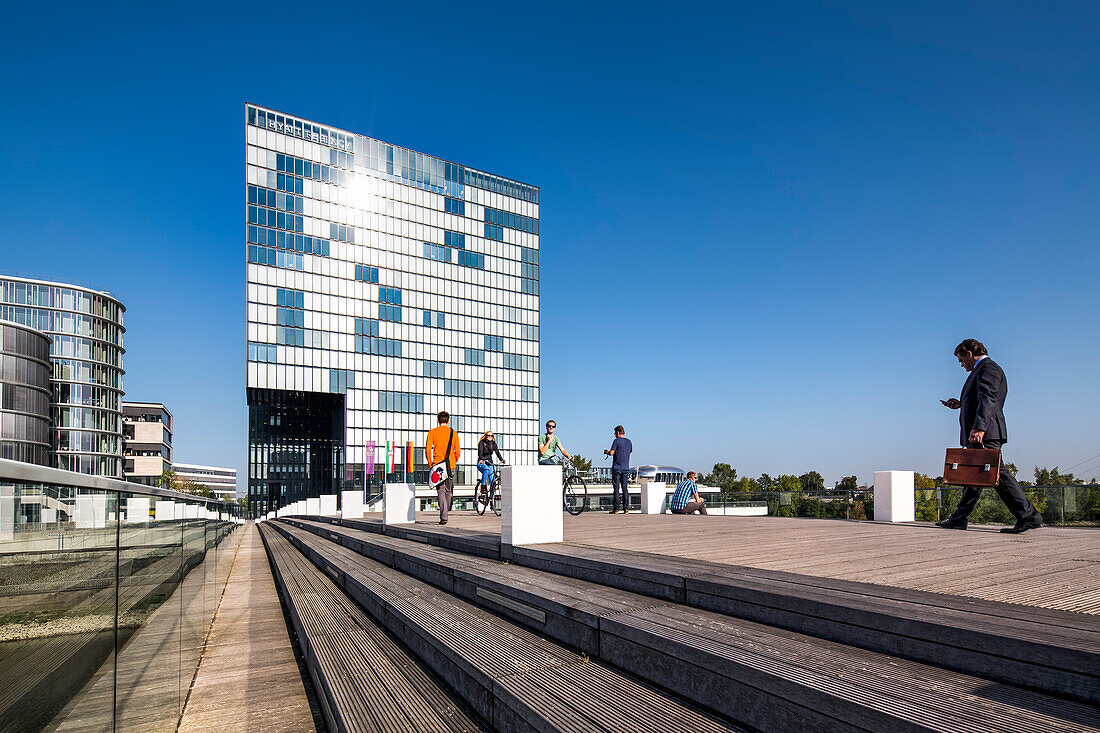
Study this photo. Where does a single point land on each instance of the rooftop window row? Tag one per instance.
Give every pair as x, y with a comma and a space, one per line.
410, 165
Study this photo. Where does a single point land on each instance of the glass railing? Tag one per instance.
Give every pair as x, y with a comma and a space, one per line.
823, 504
1063, 505
107, 592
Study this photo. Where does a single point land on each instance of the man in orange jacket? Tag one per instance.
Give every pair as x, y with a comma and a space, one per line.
435, 450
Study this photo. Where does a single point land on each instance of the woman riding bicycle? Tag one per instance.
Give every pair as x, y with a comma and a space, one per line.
486, 448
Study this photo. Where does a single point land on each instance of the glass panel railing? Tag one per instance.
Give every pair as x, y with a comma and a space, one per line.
1060, 505
105, 599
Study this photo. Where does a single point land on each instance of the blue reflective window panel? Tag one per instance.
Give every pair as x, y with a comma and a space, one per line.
471, 259
454, 239
389, 313
366, 274
494, 343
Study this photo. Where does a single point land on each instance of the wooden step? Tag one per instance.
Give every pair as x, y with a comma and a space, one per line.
769, 678
513, 678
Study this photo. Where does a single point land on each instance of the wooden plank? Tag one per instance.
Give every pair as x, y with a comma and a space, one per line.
248, 678
372, 683
494, 663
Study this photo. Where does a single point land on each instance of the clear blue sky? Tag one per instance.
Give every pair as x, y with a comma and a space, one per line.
765, 226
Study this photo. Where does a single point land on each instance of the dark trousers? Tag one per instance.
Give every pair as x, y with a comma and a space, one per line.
445, 491
1008, 488
618, 484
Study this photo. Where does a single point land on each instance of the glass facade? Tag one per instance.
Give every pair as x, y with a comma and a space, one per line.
384, 285
24, 394
85, 327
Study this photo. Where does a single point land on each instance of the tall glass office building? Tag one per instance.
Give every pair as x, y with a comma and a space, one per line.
85, 327
384, 285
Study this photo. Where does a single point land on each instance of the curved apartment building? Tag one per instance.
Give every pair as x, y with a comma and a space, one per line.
85, 327
24, 394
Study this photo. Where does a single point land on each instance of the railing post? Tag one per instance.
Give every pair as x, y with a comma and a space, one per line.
653, 496
399, 504
895, 496
532, 509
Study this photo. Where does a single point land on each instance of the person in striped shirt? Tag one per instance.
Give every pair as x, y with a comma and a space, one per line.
686, 500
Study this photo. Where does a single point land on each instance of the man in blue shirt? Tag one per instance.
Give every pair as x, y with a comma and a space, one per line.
620, 469
686, 500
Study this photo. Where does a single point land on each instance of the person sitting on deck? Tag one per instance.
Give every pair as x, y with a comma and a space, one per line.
686, 500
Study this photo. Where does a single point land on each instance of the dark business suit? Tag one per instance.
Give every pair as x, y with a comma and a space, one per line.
982, 408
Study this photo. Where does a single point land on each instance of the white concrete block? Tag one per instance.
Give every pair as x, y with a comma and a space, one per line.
531, 505
7, 512
181, 510
164, 510
328, 505
49, 516
351, 505
137, 509
90, 511
99, 501
653, 497
895, 496
399, 504
313, 506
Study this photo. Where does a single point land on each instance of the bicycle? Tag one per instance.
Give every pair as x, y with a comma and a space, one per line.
488, 496
574, 491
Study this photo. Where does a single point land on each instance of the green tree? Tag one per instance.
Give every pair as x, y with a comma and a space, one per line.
765, 483
583, 464
848, 483
1051, 477
722, 476
811, 481
168, 478
788, 482
790, 488
187, 486
744, 484
922, 481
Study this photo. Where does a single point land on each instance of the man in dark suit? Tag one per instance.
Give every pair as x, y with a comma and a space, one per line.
982, 421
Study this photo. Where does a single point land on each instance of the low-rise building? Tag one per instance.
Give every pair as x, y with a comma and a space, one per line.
221, 481
146, 442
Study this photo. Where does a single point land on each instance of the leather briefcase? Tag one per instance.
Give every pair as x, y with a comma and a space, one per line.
978, 467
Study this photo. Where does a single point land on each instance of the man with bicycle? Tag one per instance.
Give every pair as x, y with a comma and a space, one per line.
549, 445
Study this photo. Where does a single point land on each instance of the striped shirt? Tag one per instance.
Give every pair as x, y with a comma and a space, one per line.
684, 491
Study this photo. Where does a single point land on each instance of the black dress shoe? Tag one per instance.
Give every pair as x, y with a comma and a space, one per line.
953, 523
1022, 527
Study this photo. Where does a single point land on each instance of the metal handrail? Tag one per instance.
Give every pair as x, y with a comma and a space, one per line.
18, 471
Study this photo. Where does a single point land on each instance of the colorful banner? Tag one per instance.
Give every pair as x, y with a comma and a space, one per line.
389, 457
368, 459
409, 457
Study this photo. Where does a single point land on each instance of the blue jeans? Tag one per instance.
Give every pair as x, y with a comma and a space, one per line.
549, 462
487, 470
618, 488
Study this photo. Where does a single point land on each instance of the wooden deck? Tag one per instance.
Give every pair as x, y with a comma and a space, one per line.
248, 679
1053, 567
647, 614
